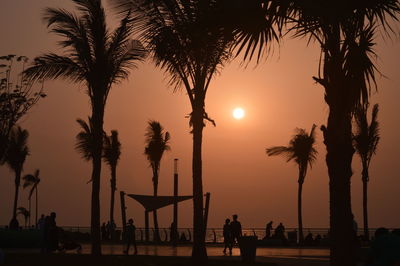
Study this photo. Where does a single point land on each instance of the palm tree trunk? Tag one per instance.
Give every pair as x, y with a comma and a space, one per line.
16, 194
30, 208
338, 141
199, 252
155, 219
37, 203
365, 203
97, 116
113, 188
299, 212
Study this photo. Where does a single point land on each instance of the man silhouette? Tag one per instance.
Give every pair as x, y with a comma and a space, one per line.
236, 229
130, 236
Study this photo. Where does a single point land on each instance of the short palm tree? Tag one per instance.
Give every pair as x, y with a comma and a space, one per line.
24, 212
96, 57
16, 155
366, 139
32, 181
301, 150
156, 144
111, 154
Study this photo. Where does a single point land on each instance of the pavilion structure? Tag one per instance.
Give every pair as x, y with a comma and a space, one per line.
152, 203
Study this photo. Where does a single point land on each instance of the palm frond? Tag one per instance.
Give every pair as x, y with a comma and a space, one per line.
112, 148
85, 139
53, 66
157, 142
17, 148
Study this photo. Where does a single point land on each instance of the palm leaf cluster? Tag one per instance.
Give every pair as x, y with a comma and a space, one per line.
31, 181
17, 149
112, 149
156, 144
301, 149
366, 136
93, 54
85, 139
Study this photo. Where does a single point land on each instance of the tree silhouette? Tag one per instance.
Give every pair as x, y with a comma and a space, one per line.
32, 181
24, 212
300, 149
96, 57
16, 154
366, 139
17, 96
85, 139
345, 32
192, 40
111, 154
156, 144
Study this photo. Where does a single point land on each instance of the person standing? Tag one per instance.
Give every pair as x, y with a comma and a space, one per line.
130, 236
236, 229
268, 230
227, 232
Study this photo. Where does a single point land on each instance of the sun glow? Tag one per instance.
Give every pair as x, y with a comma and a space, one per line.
238, 113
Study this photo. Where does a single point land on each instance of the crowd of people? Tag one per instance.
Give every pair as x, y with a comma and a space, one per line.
50, 232
108, 230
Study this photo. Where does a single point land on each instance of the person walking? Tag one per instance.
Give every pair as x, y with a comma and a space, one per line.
268, 230
227, 232
130, 236
236, 229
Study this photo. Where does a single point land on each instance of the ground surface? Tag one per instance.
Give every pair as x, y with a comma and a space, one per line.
152, 255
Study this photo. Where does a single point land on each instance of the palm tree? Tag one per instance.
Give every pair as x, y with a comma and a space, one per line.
300, 149
111, 154
345, 31
16, 154
24, 212
187, 39
97, 57
33, 182
156, 144
366, 139
85, 139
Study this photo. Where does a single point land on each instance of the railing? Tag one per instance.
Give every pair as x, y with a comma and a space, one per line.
213, 235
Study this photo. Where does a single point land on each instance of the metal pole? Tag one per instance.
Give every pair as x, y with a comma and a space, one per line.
123, 210
175, 222
146, 225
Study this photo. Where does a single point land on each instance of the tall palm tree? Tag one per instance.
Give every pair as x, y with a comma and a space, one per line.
24, 212
156, 144
302, 150
97, 57
16, 154
33, 182
345, 31
111, 154
187, 39
366, 139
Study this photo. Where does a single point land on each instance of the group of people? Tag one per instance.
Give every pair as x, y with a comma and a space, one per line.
108, 230
48, 226
279, 232
232, 232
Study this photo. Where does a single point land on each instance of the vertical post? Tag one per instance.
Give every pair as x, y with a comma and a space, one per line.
174, 228
206, 208
146, 225
123, 211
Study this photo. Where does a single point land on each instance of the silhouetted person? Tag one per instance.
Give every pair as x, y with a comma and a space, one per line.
183, 238
227, 232
309, 240
236, 229
318, 239
14, 224
130, 236
40, 223
280, 232
268, 229
104, 233
385, 249
53, 232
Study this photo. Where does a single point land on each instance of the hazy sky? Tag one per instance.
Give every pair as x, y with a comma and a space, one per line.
278, 96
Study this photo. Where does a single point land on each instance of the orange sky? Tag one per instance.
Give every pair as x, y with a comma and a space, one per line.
278, 96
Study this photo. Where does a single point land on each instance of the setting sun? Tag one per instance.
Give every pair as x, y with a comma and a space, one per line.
238, 113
